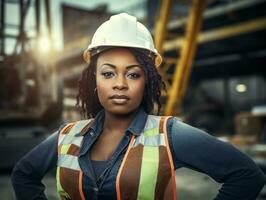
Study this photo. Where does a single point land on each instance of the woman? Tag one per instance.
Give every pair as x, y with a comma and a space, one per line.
122, 152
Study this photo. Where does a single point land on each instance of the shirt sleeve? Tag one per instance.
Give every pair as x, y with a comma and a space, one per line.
27, 174
195, 149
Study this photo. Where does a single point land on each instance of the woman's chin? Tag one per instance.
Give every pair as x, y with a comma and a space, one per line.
119, 110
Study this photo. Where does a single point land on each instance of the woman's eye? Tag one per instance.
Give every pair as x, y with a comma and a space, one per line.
134, 75
107, 74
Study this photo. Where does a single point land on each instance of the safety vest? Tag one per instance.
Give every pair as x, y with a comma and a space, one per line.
146, 172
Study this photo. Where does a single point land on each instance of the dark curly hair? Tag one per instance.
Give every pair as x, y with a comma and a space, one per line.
87, 98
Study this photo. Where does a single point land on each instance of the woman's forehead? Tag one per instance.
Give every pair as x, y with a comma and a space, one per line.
117, 56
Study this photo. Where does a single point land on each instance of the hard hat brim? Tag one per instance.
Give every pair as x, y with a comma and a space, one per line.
87, 54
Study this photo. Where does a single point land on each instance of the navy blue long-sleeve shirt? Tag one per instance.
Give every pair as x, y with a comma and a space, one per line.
191, 148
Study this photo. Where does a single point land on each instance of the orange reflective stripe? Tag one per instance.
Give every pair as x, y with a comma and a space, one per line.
67, 127
80, 186
122, 166
62, 132
170, 156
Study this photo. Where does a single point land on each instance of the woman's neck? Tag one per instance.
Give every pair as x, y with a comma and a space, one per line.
117, 123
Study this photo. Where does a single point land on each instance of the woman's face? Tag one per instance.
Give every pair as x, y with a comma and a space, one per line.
120, 81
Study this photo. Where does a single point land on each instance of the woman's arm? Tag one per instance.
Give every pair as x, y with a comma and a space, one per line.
197, 150
28, 173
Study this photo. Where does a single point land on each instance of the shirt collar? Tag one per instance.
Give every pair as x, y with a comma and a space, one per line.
136, 126
138, 123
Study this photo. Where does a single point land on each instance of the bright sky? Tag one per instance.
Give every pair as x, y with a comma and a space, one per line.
134, 7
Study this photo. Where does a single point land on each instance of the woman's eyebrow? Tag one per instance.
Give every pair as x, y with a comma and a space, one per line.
127, 67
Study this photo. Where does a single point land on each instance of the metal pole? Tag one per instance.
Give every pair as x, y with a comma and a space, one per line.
37, 18
161, 25
2, 29
191, 55
21, 27
48, 18
22, 37
183, 67
52, 52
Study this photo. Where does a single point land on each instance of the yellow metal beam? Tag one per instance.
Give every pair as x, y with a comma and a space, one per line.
190, 58
161, 32
161, 25
169, 60
221, 33
231, 6
183, 68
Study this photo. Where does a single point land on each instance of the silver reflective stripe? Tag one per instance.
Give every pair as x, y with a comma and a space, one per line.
152, 141
68, 161
152, 122
68, 139
78, 127
61, 138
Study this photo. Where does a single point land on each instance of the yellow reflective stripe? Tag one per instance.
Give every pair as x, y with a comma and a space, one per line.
59, 187
148, 174
58, 184
151, 132
64, 148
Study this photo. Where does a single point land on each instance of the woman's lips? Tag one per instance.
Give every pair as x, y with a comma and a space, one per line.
119, 100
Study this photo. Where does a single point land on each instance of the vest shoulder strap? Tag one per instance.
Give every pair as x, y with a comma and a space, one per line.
71, 130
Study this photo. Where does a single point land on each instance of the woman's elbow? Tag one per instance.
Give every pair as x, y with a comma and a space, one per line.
260, 179
16, 173
256, 178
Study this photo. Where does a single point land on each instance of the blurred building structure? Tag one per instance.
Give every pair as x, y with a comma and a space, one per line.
214, 54
31, 100
227, 76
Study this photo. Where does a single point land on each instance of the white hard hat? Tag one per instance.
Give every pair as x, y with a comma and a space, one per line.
122, 30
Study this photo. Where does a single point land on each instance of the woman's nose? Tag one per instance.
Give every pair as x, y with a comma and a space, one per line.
120, 83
